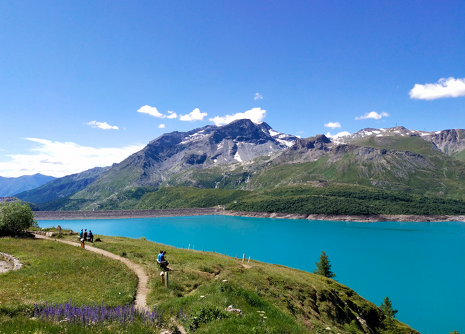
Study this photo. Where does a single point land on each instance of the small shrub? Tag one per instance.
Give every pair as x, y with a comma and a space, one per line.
203, 315
123, 254
98, 240
143, 238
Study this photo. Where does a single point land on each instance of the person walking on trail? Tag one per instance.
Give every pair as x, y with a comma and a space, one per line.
82, 242
80, 234
90, 236
85, 235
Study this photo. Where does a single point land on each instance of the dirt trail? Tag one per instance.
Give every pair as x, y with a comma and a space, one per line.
142, 289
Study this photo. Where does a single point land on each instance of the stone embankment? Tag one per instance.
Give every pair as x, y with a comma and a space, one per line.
120, 214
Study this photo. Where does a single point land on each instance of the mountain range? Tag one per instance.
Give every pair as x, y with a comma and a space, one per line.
249, 156
13, 185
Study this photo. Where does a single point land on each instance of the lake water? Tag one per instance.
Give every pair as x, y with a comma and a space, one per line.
420, 266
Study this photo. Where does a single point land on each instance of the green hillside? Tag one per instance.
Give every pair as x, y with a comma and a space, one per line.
273, 298
419, 170
346, 200
317, 198
185, 197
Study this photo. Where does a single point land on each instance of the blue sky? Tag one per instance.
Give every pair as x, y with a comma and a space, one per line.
73, 74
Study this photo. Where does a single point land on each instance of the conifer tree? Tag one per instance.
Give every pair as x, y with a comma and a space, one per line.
389, 322
323, 267
387, 309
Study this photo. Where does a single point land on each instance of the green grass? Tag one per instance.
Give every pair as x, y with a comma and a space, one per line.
293, 301
202, 284
57, 272
22, 324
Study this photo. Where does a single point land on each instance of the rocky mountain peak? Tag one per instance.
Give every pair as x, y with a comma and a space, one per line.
317, 142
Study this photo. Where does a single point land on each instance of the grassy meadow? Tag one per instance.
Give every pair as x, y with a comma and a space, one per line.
273, 298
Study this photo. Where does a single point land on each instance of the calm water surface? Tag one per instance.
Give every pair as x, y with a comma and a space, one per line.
420, 266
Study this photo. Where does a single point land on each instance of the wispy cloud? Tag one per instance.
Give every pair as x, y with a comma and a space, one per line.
373, 115
172, 114
256, 115
152, 111
161, 126
333, 125
102, 125
449, 87
258, 97
63, 158
193, 116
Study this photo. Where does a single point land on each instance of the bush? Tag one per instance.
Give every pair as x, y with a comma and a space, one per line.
15, 218
203, 315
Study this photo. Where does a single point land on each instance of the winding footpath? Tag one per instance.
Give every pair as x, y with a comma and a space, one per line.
142, 289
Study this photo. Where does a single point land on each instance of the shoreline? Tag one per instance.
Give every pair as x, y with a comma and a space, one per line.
122, 214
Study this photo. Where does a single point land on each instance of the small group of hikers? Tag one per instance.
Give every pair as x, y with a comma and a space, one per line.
84, 236
161, 260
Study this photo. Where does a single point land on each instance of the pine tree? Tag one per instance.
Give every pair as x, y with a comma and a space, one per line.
387, 309
323, 267
389, 322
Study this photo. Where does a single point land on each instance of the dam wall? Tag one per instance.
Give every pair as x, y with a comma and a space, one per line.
121, 214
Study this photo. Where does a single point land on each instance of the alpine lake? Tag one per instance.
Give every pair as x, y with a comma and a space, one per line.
419, 266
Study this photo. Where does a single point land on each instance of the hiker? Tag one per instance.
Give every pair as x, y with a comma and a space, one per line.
90, 236
161, 260
80, 234
85, 235
82, 242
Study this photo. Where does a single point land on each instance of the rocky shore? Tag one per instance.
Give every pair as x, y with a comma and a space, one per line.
114, 214
361, 219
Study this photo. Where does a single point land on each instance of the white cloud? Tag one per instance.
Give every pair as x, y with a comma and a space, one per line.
63, 158
161, 126
256, 115
333, 125
195, 115
373, 115
449, 87
152, 111
338, 135
258, 97
102, 125
172, 114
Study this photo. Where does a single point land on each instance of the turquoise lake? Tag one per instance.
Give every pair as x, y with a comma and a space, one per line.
419, 266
